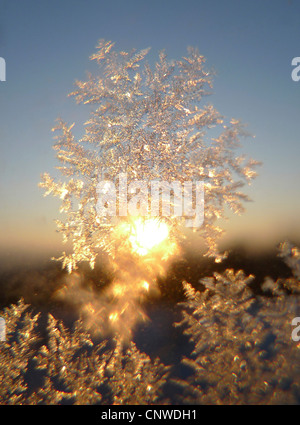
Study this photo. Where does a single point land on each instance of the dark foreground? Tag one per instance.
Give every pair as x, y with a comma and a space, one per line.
233, 344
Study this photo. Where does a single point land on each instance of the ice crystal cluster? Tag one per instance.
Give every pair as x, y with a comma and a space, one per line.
243, 351
151, 123
67, 368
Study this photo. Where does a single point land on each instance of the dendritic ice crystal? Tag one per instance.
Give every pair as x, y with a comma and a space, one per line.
243, 350
152, 123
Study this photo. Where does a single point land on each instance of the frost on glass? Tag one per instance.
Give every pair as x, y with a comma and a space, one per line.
243, 352
153, 123
243, 349
66, 367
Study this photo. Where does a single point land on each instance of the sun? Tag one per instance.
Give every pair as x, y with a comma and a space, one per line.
146, 235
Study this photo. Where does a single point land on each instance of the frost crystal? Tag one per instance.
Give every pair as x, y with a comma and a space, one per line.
243, 351
152, 124
66, 367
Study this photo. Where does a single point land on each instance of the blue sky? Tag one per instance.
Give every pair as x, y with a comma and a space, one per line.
250, 45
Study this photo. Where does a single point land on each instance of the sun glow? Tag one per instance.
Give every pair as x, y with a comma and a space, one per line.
144, 248
147, 235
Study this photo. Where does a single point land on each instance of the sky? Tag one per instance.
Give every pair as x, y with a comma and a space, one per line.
46, 45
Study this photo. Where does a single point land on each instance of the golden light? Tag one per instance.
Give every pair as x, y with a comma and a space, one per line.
118, 290
144, 247
145, 285
146, 235
113, 317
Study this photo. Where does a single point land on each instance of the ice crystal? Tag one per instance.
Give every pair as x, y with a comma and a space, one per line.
151, 123
291, 255
16, 353
68, 368
243, 351
134, 379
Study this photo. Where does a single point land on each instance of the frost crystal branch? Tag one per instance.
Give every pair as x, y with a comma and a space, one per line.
70, 368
